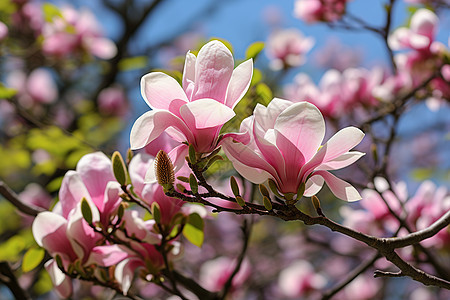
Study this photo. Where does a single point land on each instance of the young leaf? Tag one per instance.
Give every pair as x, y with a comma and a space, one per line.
234, 186
156, 212
86, 211
193, 230
193, 183
119, 168
32, 259
254, 49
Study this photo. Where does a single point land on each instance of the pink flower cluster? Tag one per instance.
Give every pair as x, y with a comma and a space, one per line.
426, 56
287, 48
76, 31
312, 11
338, 93
79, 247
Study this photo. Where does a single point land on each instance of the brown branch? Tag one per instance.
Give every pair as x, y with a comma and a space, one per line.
8, 278
356, 272
12, 197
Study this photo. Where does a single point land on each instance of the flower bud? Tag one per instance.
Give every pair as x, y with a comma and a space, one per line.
164, 170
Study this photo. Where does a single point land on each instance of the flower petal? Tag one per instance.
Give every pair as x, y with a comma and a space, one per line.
189, 74
239, 83
266, 116
159, 90
206, 113
61, 282
313, 185
151, 124
71, 192
247, 162
340, 188
341, 161
213, 70
106, 256
95, 170
302, 124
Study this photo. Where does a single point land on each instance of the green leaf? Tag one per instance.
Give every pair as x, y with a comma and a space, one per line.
55, 184
264, 93
267, 203
254, 49
192, 155
119, 168
156, 212
193, 230
32, 259
234, 186
6, 93
193, 183
86, 211
133, 63
51, 11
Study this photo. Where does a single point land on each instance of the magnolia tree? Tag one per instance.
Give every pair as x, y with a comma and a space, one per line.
226, 191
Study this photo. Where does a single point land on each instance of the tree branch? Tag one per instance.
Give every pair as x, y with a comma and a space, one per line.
12, 197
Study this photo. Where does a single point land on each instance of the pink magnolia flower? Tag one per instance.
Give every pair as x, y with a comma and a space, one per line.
215, 273
300, 280
420, 34
287, 48
36, 88
286, 147
312, 11
113, 101
65, 233
195, 112
77, 30
3, 31
335, 55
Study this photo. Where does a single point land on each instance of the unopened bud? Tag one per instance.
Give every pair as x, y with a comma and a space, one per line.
316, 204
193, 183
300, 191
267, 203
264, 191
164, 170
192, 155
234, 186
240, 201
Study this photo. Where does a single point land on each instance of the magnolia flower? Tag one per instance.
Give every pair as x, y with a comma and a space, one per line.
312, 11
420, 34
300, 280
196, 111
285, 147
3, 31
65, 233
287, 48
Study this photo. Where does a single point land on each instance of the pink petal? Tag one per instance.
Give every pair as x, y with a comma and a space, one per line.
266, 116
189, 74
239, 83
62, 283
206, 113
213, 70
71, 192
424, 22
341, 161
95, 170
106, 256
111, 201
101, 47
159, 90
340, 188
302, 124
124, 272
313, 185
151, 124
247, 161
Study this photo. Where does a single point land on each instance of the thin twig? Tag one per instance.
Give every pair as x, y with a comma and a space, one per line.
12, 197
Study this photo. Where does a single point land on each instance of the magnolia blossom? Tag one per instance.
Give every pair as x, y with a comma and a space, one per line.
38, 87
215, 273
287, 48
285, 146
113, 101
420, 34
338, 93
3, 31
299, 280
312, 11
76, 30
196, 111
65, 233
